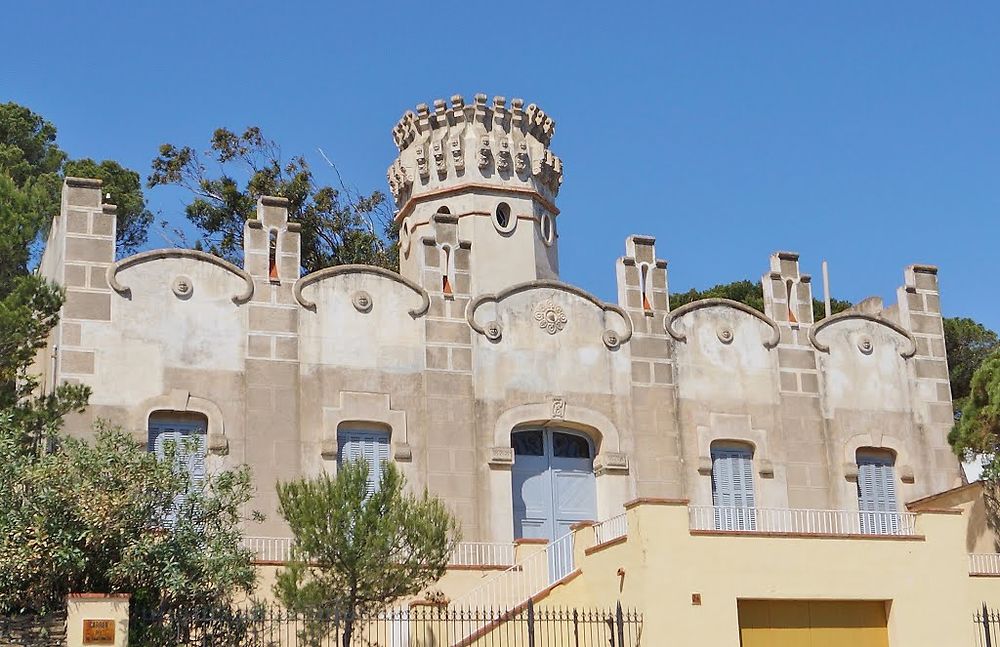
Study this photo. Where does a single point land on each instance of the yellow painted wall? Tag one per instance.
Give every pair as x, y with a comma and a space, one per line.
456, 582
925, 580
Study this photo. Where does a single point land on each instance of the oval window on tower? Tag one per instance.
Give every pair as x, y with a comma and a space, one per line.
546, 229
503, 220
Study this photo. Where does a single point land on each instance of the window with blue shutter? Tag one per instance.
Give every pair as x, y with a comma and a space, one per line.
732, 487
366, 444
877, 503
184, 436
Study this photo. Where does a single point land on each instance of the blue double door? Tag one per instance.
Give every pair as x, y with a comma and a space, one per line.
552, 481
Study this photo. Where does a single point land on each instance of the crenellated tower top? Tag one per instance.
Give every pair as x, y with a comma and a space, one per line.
484, 170
481, 142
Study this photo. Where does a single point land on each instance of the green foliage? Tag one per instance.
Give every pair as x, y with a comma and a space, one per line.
356, 552
105, 517
968, 343
748, 293
977, 432
33, 161
335, 230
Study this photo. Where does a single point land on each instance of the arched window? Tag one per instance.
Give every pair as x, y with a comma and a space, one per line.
877, 491
447, 266
366, 443
272, 255
644, 286
790, 289
181, 436
732, 486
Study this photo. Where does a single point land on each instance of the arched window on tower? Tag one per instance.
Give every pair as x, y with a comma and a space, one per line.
447, 271
272, 255
790, 290
644, 287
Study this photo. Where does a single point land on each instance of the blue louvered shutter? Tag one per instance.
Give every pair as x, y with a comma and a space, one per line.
732, 488
367, 445
877, 494
189, 442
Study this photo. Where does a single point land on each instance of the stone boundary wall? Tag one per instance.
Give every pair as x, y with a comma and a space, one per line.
33, 630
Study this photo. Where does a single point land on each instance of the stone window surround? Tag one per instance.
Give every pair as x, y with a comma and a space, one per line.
181, 401
364, 408
903, 464
558, 413
718, 431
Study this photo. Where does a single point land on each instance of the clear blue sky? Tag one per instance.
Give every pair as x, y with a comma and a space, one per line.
867, 134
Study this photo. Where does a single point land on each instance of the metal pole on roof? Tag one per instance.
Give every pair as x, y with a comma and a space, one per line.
826, 289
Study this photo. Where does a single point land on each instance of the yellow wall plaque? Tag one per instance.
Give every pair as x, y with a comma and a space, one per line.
98, 632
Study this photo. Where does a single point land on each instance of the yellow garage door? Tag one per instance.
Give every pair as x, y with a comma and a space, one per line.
812, 623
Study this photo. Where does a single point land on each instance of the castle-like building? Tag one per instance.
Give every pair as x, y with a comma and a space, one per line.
526, 403
743, 477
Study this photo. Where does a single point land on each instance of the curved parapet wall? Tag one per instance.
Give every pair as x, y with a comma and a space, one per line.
342, 270
668, 322
548, 316
864, 344
161, 254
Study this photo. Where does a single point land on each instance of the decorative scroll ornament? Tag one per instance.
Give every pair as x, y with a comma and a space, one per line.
362, 301
611, 339
521, 160
493, 331
558, 408
550, 317
725, 334
182, 287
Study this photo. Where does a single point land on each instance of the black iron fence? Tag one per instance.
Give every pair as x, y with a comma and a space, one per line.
275, 626
987, 624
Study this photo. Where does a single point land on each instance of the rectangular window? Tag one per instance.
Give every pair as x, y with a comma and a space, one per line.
732, 488
877, 494
368, 445
187, 437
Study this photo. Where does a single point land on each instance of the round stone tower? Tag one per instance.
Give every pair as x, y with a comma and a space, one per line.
475, 189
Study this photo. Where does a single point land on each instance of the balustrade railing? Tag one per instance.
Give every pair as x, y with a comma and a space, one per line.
466, 553
611, 529
526, 578
481, 553
984, 564
801, 521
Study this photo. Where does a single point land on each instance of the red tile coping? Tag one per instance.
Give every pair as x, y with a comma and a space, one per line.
655, 501
957, 511
582, 524
479, 567
802, 535
608, 544
98, 596
531, 540
450, 567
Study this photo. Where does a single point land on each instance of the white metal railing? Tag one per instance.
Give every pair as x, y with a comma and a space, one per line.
269, 549
801, 521
481, 553
610, 529
466, 553
984, 564
527, 577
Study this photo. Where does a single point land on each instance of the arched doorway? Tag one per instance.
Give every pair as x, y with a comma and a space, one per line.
552, 482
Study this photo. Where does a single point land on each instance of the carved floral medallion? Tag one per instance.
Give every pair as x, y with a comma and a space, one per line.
550, 317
